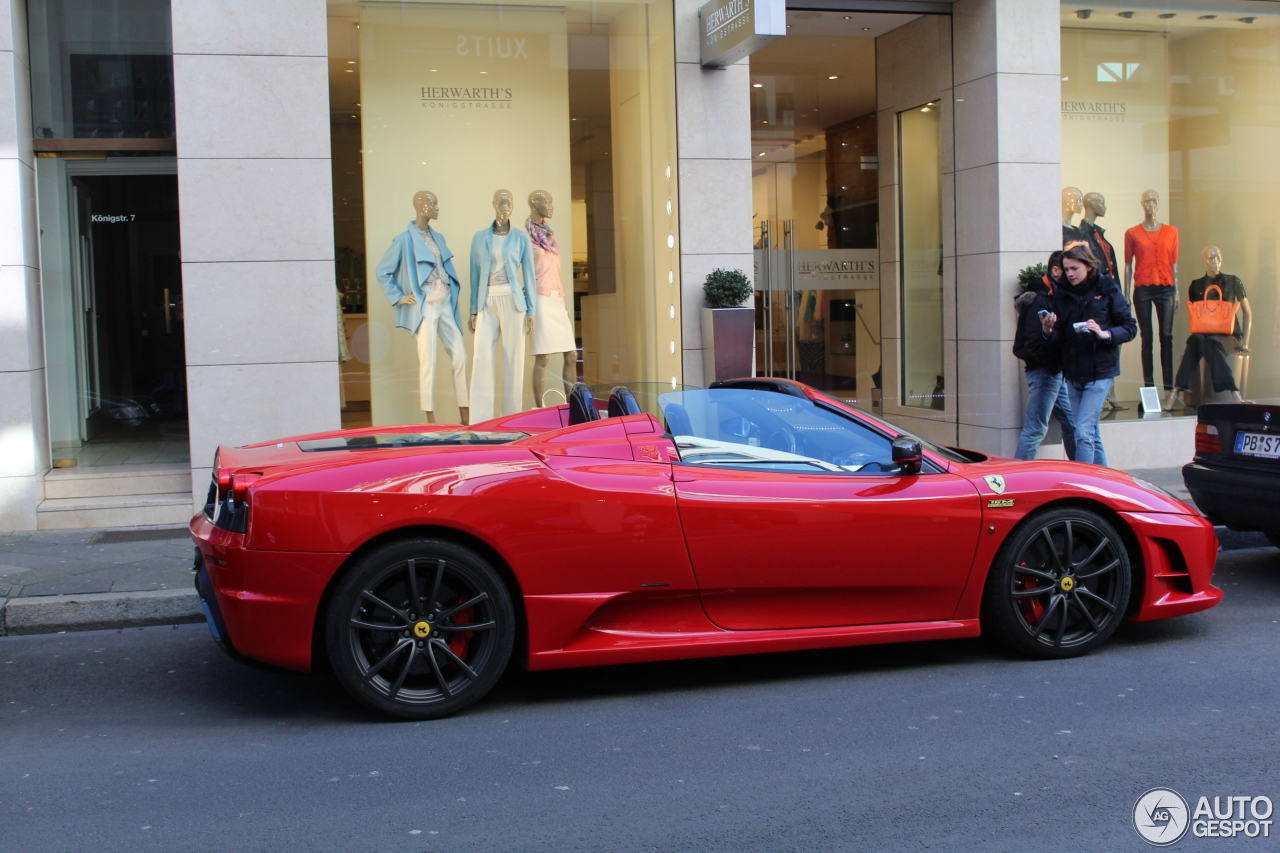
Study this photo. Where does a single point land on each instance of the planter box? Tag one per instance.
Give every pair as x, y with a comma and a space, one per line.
728, 340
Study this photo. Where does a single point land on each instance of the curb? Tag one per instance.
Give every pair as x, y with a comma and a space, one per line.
51, 614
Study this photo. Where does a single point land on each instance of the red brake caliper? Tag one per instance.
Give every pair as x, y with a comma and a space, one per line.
1031, 608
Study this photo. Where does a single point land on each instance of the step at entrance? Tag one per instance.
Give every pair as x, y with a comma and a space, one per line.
115, 496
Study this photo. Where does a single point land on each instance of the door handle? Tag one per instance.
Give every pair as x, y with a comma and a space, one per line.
168, 321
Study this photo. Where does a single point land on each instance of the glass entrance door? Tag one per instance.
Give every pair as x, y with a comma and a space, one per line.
816, 203
117, 386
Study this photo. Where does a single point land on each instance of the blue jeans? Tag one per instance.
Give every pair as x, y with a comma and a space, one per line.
1048, 395
1086, 401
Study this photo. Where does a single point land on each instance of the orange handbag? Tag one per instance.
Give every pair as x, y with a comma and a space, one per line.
1213, 316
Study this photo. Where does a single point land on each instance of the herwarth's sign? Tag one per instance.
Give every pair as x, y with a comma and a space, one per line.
732, 29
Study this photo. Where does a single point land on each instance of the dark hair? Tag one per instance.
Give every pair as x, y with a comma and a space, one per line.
1082, 253
1055, 260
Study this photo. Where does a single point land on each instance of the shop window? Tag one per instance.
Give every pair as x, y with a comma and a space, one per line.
1176, 110
920, 185
554, 123
101, 69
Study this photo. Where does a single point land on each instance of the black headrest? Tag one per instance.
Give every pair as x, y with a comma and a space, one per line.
582, 405
623, 402
677, 419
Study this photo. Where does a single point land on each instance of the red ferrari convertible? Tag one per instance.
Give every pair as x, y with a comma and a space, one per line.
754, 516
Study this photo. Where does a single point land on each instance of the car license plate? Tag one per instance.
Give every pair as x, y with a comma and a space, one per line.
1256, 444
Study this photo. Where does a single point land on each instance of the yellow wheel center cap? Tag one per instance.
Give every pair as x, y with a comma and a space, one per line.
422, 630
1067, 584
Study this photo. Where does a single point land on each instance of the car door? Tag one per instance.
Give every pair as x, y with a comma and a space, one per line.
789, 537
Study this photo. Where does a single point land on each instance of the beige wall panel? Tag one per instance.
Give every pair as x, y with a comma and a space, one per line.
1017, 36
243, 404
713, 112
988, 286
256, 97
260, 312
272, 27
715, 206
1029, 126
21, 335
17, 214
255, 210
19, 497
23, 424
990, 392
976, 111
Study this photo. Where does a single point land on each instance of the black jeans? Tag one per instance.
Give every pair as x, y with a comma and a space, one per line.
1161, 296
1213, 349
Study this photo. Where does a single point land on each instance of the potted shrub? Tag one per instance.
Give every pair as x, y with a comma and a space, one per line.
728, 327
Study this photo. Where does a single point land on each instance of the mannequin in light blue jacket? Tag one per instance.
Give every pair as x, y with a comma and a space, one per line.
418, 277
503, 286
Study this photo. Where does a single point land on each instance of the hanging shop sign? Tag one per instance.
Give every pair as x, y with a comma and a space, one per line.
733, 29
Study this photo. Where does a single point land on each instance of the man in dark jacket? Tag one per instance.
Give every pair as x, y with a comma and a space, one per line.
1043, 362
1089, 322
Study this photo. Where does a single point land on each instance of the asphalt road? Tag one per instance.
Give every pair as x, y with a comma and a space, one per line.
151, 740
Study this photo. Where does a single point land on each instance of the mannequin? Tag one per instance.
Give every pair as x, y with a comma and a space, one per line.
1154, 246
1095, 207
1214, 348
418, 277
555, 332
503, 309
1072, 204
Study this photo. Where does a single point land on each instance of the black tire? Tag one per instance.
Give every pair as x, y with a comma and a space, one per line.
1059, 585
1273, 536
422, 655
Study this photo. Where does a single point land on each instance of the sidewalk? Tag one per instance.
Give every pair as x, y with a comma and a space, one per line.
83, 580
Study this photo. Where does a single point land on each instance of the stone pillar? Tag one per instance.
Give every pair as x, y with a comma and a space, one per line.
24, 434
1008, 162
251, 92
713, 138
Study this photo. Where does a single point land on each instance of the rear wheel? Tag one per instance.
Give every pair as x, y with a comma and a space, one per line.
420, 629
1059, 586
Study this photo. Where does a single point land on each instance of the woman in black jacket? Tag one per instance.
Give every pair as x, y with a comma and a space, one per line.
1047, 392
1089, 322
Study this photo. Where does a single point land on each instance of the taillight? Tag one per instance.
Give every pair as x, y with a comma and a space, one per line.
1207, 439
239, 486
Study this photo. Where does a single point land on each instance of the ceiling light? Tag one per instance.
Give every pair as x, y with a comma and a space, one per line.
1167, 15
1245, 21
351, 62
351, 71
866, 29
761, 154
848, 17
484, 72
757, 85
1126, 15
1083, 14
834, 77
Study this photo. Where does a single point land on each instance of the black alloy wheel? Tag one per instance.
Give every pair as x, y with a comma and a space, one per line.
420, 629
1059, 585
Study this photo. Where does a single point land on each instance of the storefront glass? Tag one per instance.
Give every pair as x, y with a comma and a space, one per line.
920, 186
816, 203
536, 145
1169, 115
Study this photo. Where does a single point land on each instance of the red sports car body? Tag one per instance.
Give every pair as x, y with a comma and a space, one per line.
756, 516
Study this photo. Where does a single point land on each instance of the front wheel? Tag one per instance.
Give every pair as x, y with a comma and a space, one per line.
420, 629
1059, 585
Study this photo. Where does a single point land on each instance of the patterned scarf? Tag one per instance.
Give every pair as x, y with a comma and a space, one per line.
542, 235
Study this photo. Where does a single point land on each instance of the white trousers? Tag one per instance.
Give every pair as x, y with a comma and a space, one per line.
498, 322
438, 324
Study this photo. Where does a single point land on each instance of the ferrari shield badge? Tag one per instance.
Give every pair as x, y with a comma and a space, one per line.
995, 482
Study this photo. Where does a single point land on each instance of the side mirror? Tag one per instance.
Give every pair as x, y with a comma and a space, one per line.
908, 455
